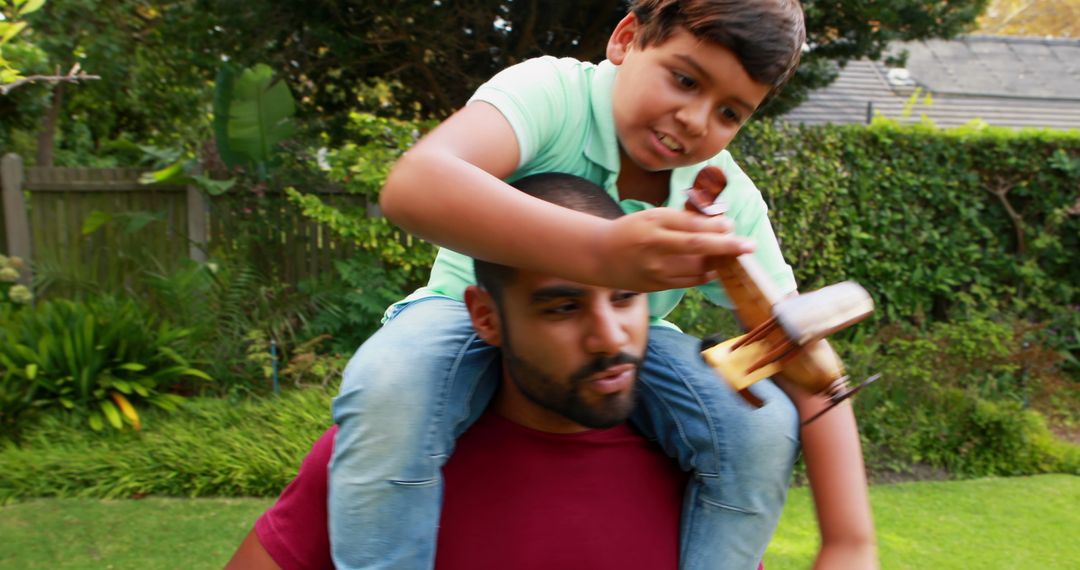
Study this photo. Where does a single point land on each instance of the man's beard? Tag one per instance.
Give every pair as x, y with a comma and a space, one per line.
567, 399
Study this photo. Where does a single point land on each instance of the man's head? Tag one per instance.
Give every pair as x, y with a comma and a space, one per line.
570, 351
691, 72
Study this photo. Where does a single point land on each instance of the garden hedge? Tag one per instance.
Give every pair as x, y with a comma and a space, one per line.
931, 221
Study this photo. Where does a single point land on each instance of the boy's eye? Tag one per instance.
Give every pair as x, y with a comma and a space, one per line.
684, 81
625, 296
729, 114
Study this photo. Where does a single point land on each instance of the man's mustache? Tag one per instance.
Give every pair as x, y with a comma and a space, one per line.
601, 364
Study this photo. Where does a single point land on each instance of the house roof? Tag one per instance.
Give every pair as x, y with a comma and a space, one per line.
1003, 81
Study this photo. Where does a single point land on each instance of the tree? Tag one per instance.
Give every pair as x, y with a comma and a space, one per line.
420, 58
152, 84
438, 52
1054, 18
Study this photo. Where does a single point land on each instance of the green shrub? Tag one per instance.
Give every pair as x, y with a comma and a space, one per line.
214, 447
228, 303
97, 359
355, 301
957, 397
359, 167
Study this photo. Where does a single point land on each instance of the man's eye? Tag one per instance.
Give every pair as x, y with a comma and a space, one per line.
561, 309
626, 296
684, 81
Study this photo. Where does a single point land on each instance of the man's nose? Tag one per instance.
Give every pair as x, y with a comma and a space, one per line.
694, 116
606, 334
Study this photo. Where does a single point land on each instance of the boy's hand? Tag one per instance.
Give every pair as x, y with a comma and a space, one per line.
665, 248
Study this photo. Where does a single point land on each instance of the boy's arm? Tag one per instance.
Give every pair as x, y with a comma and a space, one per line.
448, 189
834, 466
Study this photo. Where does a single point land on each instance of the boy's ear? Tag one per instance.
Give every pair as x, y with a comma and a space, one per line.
622, 39
484, 314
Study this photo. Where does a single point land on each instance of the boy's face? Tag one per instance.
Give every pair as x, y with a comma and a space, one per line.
678, 102
571, 351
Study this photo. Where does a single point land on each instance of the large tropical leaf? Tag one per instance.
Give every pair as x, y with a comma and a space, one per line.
223, 96
260, 111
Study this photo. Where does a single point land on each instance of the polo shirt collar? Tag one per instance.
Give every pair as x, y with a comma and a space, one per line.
602, 147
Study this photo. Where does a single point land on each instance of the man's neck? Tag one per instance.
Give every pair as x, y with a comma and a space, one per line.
514, 406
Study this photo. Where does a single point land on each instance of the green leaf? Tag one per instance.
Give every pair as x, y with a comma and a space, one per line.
112, 414
260, 112
30, 6
133, 366
94, 221
223, 94
213, 187
197, 373
173, 355
174, 173
9, 30
31, 371
67, 403
138, 220
96, 423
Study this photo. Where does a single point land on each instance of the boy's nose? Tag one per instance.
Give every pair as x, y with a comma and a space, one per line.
694, 117
606, 333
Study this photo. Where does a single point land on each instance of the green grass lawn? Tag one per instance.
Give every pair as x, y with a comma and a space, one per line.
1023, 522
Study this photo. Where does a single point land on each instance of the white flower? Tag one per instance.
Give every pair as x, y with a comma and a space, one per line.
321, 158
9, 274
20, 294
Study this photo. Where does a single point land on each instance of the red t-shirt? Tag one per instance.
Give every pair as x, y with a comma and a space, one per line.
517, 498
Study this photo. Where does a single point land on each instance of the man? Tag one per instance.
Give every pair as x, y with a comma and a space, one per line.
550, 476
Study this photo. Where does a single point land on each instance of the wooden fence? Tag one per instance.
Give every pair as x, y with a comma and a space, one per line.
48, 215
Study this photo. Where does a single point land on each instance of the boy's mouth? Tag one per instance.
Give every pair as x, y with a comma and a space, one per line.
669, 142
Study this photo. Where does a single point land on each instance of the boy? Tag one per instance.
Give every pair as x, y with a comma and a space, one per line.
680, 80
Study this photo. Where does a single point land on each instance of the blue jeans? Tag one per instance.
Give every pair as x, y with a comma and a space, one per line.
424, 377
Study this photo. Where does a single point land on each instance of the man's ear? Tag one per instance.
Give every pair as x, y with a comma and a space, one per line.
484, 314
622, 39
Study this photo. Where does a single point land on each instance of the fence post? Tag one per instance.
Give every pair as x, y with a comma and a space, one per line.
15, 215
198, 237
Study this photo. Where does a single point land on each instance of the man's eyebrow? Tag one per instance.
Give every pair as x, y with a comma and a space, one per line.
690, 61
545, 294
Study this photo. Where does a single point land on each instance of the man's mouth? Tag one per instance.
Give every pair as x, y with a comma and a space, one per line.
672, 144
614, 379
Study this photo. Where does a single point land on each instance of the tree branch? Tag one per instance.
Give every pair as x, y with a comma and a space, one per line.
75, 75
1001, 190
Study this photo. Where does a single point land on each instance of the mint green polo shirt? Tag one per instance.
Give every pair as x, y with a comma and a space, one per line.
560, 110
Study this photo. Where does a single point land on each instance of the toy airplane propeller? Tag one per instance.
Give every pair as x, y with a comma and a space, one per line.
783, 334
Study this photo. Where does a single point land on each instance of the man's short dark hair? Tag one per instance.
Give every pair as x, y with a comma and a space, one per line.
564, 190
766, 36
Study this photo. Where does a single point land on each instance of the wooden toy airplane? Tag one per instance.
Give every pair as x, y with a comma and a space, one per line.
783, 334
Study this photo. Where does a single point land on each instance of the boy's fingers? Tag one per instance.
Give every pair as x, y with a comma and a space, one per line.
702, 243
687, 221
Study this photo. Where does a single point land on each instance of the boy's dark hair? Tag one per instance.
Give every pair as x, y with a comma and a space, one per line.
564, 190
766, 36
